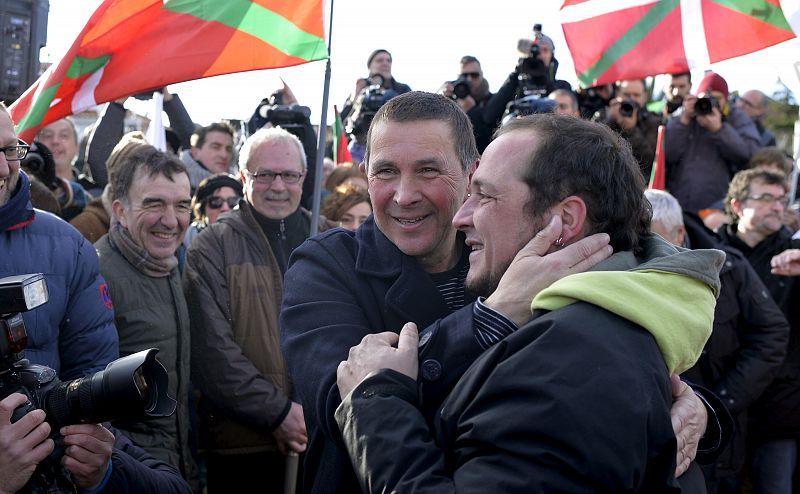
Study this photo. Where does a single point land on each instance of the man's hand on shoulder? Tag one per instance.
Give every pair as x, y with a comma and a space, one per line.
533, 269
689, 418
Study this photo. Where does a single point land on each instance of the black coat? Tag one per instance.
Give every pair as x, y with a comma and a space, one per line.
339, 287
777, 413
748, 342
577, 400
136, 471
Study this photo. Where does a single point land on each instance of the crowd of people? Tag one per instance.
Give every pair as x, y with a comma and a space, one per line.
493, 301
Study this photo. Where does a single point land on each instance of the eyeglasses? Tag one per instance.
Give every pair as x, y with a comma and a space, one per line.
474, 75
267, 177
747, 103
16, 153
770, 199
215, 202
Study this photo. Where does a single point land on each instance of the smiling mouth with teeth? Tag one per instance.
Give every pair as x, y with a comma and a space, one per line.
410, 222
165, 236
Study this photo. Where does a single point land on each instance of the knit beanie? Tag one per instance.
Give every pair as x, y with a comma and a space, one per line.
209, 184
546, 40
713, 82
375, 54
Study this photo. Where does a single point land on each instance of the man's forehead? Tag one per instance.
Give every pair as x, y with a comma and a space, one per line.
7, 134
632, 86
216, 135
419, 136
57, 127
273, 155
759, 185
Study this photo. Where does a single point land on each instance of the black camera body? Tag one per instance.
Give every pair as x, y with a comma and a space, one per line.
627, 107
704, 105
369, 101
461, 88
292, 118
131, 387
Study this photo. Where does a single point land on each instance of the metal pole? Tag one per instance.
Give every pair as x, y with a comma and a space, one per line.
796, 154
290, 473
323, 130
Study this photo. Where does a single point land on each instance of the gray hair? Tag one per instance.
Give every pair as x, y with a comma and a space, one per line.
666, 209
273, 135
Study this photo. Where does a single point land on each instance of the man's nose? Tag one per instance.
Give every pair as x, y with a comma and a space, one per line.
278, 183
5, 167
463, 218
407, 191
169, 217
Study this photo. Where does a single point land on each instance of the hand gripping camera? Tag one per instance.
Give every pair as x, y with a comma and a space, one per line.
705, 104
131, 387
366, 105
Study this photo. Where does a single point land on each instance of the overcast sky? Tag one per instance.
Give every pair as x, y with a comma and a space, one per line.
426, 39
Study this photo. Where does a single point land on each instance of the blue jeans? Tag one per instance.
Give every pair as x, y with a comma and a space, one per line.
773, 465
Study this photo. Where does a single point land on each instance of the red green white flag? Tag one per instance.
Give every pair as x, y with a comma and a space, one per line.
658, 174
340, 152
132, 46
613, 40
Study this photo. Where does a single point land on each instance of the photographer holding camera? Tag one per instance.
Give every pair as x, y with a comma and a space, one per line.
628, 115
98, 458
369, 95
707, 141
471, 91
534, 78
73, 335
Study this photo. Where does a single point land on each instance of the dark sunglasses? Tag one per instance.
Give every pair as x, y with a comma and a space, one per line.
474, 75
216, 202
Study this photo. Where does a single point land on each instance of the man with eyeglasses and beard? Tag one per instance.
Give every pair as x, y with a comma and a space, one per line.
473, 101
233, 282
755, 202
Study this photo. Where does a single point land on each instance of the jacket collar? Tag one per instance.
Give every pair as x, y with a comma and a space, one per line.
377, 255
412, 295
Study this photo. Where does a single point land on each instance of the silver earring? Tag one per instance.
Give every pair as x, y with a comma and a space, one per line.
560, 242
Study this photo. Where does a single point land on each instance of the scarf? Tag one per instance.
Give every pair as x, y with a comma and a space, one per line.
122, 241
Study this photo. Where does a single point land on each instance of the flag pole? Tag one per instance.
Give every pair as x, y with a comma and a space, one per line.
323, 130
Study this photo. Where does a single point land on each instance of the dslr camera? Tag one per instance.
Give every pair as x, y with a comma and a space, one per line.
131, 387
534, 81
460, 88
369, 101
292, 118
705, 104
627, 107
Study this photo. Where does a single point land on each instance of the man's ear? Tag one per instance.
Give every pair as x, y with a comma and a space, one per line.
473, 168
573, 218
737, 206
362, 167
119, 212
680, 235
193, 152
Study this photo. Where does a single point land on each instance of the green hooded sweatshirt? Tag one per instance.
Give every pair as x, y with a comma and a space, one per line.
668, 290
